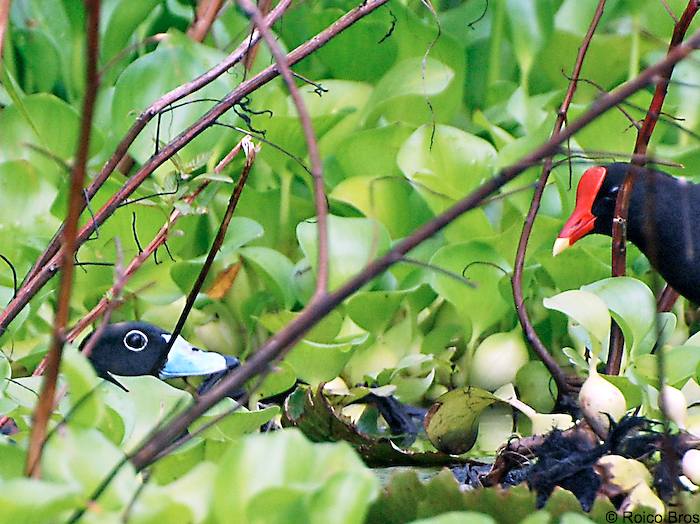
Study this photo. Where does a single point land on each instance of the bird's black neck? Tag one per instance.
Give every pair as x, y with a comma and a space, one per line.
661, 218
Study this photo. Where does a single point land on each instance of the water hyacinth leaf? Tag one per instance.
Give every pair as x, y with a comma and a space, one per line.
377, 148
680, 364
633, 307
452, 423
41, 59
194, 489
176, 60
457, 517
291, 460
452, 164
311, 411
353, 242
483, 267
37, 501
12, 460
148, 402
156, 504
314, 362
383, 351
384, 198
495, 428
84, 388
531, 24
589, 263
235, 424
373, 310
274, 269
586, 309
340, 104
64, 460
325, 331
121, 22
401, 93
280, 379
45, 112
5, 372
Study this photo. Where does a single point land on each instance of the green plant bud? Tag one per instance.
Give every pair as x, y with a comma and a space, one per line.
497, 360
536, 387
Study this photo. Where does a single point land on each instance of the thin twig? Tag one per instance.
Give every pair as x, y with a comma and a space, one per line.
276, 346
619, 233
204, 18
320, 200
140, 123
52, 264
45, 403
249, 61
250, 153
14, 273
517, 280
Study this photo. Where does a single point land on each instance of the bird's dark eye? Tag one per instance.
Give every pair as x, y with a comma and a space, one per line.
135, 340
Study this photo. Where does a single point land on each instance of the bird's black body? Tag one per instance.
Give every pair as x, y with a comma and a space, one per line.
139, 348
661, 222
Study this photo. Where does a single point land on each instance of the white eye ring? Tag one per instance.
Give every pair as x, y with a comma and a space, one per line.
144, 339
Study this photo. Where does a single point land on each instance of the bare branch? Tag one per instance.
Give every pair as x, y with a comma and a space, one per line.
250, 153
320, 201
204, 18
517, 281
45, 403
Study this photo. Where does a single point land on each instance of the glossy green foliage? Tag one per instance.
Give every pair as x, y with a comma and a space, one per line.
413, 110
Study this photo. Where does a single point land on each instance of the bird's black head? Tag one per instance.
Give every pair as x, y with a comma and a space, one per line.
596, 196
139, 348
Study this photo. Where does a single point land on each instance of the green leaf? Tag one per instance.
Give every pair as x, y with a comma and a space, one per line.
586, 309
26, 500
148, 402
5, 372
444, 164
452, 423
353, 242
633, 307
275, 271
457, 517
177, 60
65, 460
121, 22
373, 310
46, 113
234, 425
85, 395
531, 23
313, 362
483, 267
314, 470
406, 90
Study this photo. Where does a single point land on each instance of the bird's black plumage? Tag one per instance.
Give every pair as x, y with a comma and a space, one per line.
662, 222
